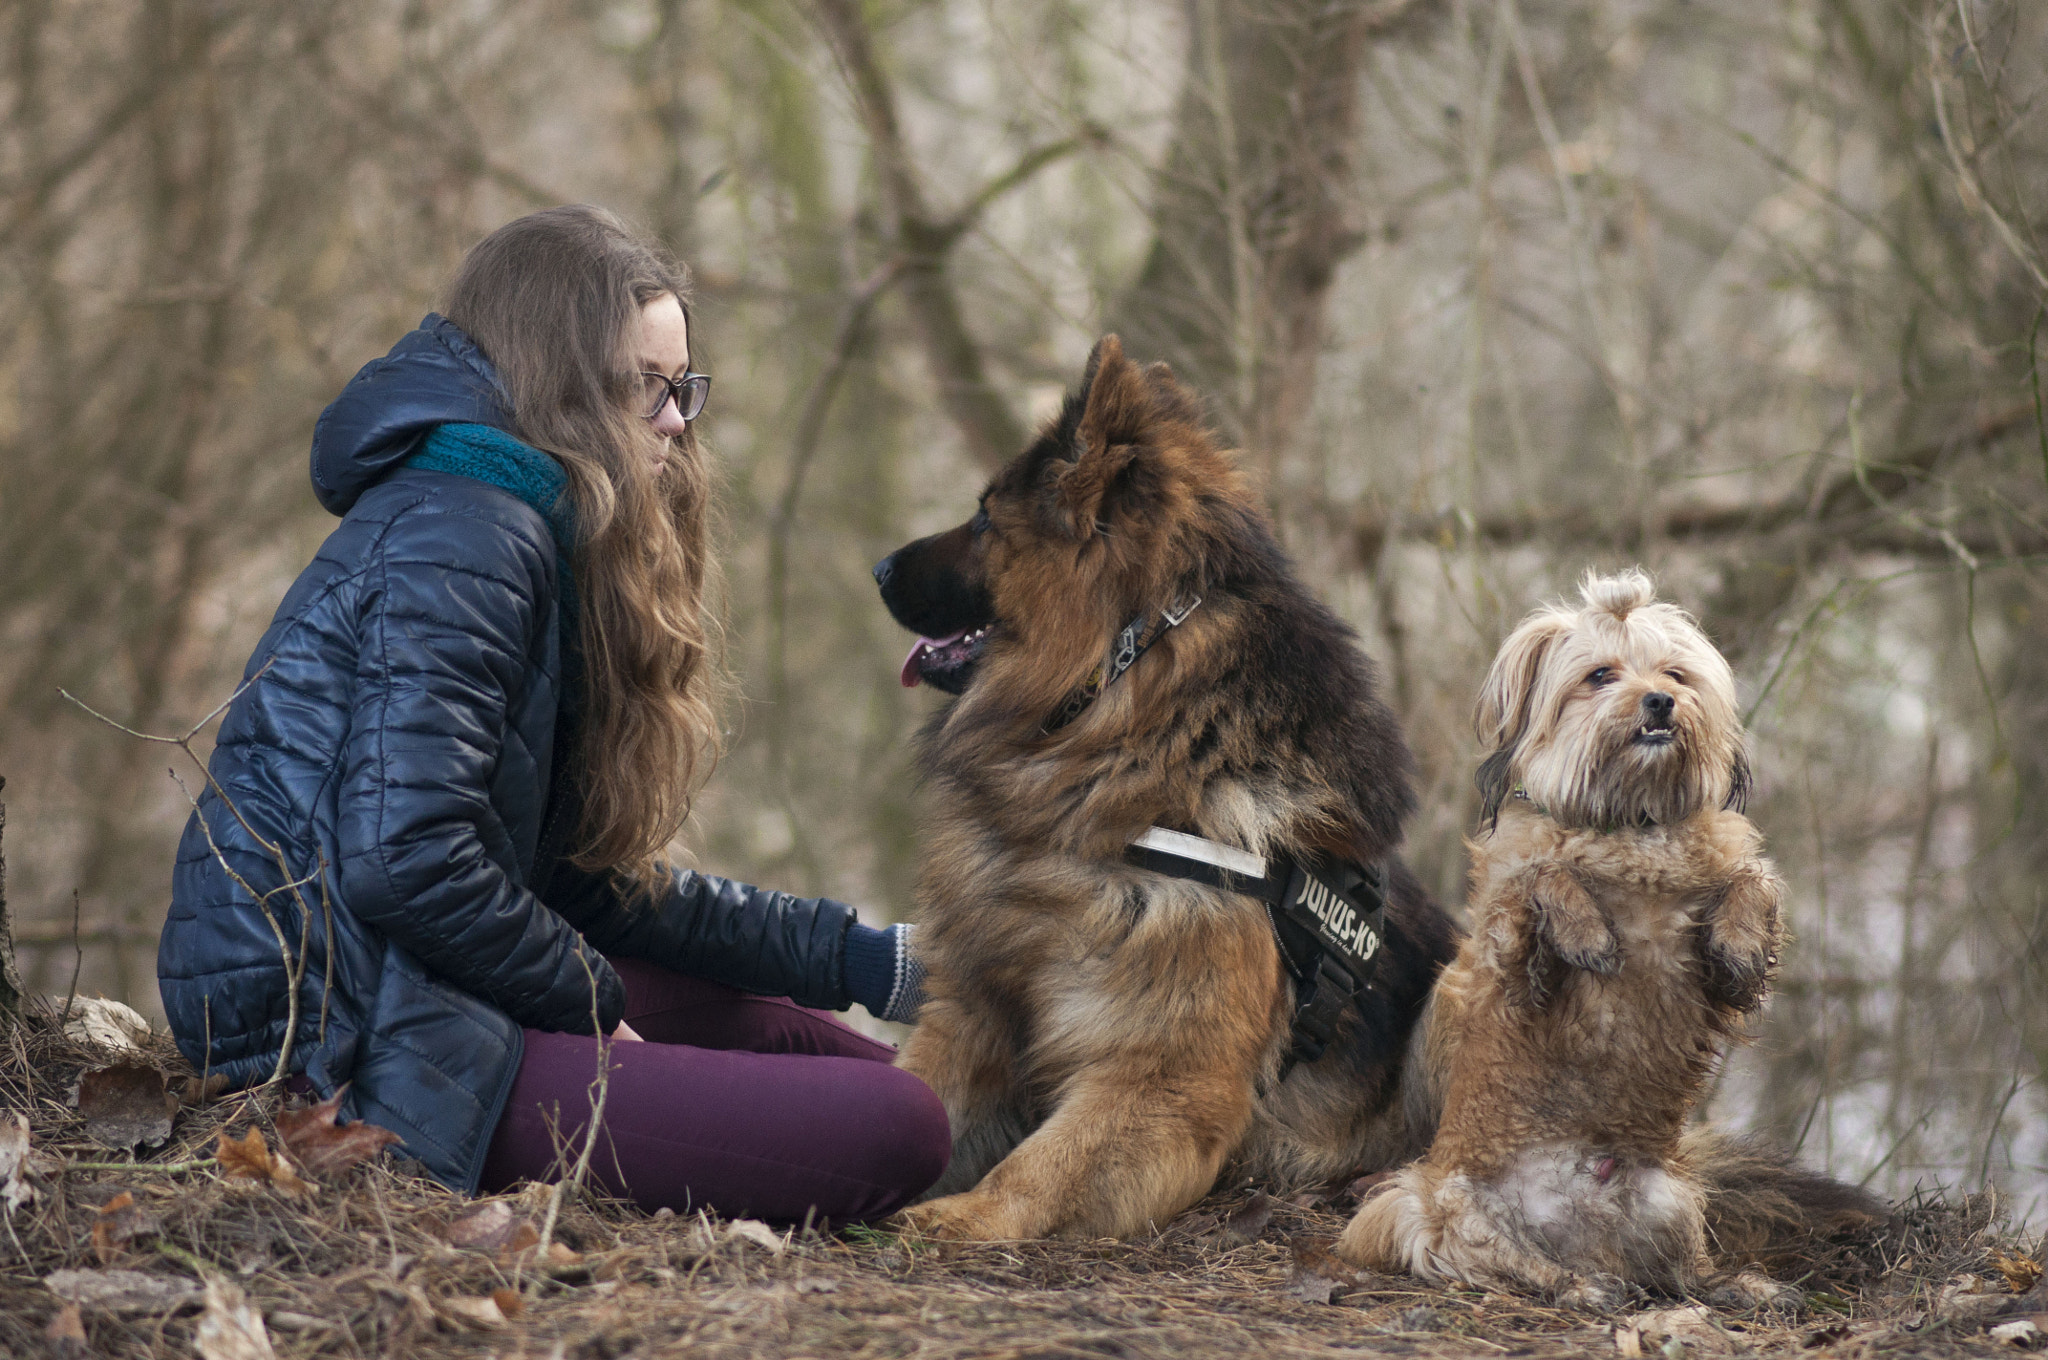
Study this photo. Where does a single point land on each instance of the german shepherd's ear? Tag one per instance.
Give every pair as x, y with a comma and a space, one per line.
1115, 413
1501, 717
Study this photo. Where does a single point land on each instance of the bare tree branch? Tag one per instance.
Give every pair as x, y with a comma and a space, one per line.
984, 418
1843, 507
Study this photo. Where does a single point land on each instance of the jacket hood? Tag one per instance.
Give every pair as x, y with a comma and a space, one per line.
434, 376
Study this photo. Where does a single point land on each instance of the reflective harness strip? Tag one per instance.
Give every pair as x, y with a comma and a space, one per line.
1328, 918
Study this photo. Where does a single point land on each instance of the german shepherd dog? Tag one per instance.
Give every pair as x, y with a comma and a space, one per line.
1130, 649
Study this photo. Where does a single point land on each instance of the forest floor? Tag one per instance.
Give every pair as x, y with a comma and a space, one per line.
249, 1249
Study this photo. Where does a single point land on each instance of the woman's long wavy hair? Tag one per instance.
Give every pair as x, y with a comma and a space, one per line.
553, 299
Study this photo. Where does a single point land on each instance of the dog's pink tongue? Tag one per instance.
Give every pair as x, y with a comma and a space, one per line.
908, 675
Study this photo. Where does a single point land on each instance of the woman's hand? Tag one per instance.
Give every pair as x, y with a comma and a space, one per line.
626, 1031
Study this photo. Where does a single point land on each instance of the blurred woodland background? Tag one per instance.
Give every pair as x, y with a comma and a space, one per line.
1491, 291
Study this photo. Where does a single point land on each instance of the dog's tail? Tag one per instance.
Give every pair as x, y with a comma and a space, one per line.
1763, 1208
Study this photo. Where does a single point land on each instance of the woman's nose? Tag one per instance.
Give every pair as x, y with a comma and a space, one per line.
668, 420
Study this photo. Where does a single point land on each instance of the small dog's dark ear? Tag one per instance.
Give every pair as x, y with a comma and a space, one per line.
1738, 783
1493, 779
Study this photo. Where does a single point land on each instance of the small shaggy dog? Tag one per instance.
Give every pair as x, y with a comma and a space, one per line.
1625, 920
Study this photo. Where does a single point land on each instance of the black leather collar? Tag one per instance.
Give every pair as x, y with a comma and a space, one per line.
1137, 635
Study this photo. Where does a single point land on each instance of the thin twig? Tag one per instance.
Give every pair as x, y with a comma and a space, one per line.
294, 884
167, 1168
2034, 377
262, 901
77, 962
600, 1089
1973, 193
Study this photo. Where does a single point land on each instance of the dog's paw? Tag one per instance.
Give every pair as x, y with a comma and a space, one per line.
1737, 981
1597, 954
1572, 925
1739, 943
1749, 1289
969, 1217
1596, 1293
1738, 964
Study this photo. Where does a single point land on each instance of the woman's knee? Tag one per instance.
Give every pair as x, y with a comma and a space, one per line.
905, 1139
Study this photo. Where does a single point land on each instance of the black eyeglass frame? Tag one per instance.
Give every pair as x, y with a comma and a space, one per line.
688, 392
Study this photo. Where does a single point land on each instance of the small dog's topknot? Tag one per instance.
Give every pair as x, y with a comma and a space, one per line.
1619, 593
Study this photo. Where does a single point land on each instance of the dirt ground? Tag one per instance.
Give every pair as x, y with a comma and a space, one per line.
255, 1250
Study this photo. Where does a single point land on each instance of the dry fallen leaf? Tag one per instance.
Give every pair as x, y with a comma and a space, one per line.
120, 1221
199, 1091
252, 1159
1628, 1341
96, 1020
324, 1147
1357, 1190
1247, 1223
2022, 1332
15, 1190
66, 1332
1317, 1275
755, 1231
1967, 1298
125, 1104
2021, 1272
1309, 1286
482, 1314
492, 1227
230, 1329
122, 1291
508, 1301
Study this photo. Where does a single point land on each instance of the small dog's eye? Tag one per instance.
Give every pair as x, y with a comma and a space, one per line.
979, 524
1602, 675
1678, 676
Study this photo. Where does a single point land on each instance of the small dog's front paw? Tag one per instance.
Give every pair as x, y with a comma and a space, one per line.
1738, 981
1602, 956
1573, 925
1739, 942
1596, 1293
1749, 1289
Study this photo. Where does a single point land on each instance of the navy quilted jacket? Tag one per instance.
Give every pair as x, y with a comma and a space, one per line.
394, 747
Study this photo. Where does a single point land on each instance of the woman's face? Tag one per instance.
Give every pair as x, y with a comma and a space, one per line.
662, 345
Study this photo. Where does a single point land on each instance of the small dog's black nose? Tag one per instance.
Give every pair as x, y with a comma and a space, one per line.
1658, 705
884, 569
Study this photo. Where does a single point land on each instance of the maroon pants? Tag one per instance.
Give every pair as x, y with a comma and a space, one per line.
748, 1105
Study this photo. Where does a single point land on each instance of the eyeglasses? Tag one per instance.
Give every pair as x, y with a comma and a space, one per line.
689, 393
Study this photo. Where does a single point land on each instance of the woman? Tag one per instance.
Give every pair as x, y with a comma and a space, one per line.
467, 737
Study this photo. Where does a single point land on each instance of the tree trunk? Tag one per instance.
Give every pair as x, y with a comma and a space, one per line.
1249, 211
10, 979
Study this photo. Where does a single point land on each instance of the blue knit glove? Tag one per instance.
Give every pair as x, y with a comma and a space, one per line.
884, 973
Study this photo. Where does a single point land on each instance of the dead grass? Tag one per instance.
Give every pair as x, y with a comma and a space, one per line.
364, 1266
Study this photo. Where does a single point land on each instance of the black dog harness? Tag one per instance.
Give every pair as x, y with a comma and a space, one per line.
1328, 917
